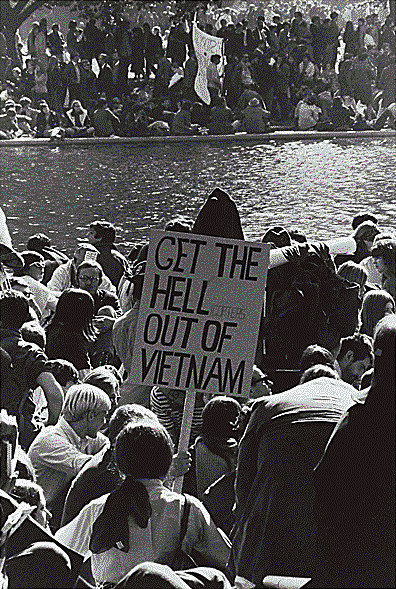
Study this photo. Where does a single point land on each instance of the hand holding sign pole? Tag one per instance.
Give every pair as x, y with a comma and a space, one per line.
199, 316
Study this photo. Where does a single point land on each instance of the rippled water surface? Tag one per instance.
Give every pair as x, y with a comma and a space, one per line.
316, 187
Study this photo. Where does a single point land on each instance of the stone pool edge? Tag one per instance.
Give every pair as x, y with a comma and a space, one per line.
235, 138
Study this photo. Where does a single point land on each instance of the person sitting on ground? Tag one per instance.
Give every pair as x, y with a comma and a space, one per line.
105, 379
48, 124
30, 367
65, 373
65, 275
255, 118
72, 330
340, 116
41, 243
307, 114
59, 452
100, 475
221, 117
355, 358
31, 493
384, 254
89, 278
9, 127
78, 123
28, 111
140, 521
214, 450
32, 273
181, 124
376, 305
102, 235
105, 122
354, 273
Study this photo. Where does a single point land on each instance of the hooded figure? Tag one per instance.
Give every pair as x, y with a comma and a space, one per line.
219, 217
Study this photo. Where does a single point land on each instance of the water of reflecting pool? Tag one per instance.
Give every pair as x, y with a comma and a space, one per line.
316, 187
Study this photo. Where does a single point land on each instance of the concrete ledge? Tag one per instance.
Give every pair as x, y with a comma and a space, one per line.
286, 135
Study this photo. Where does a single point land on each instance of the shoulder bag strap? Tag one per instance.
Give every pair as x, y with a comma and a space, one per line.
184, 520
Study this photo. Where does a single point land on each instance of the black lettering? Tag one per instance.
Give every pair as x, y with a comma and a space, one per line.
160, 291
146, 366
197, 243
224, 335
238, 261
174, 293
193, 371
223, 253
147, 327
180, 254
169, 260
228, 376
214, 373
189, 322
251, 263
185, 308
182, 356
200, 309
171, 339
205, 334
163, 366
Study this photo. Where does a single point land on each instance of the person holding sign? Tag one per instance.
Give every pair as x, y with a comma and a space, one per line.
213, 78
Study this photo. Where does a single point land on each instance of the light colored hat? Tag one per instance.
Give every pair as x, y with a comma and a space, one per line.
254, 102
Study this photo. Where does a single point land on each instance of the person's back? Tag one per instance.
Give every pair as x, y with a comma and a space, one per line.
104, 122
254, 118
284, 440
220, 119
140, 521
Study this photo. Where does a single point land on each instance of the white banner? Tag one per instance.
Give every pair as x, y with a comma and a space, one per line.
200, 313
205, 46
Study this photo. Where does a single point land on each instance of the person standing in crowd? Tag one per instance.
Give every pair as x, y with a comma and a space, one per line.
56, 42
73, 77
355, 483
73, 39
213, 78
104, 82
56, 84
285, 437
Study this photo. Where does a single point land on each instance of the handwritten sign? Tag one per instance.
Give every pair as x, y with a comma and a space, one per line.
204, 46
200, 312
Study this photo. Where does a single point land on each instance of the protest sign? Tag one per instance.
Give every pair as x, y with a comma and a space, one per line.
200, 313
205, 46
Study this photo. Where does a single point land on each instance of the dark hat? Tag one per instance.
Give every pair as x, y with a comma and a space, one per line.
219, 217
10, 258
31, 257
278, 236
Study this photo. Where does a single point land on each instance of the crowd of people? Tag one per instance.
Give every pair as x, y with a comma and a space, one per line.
295, 478
301, 68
